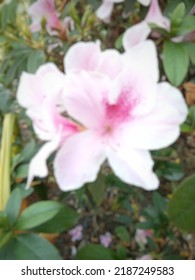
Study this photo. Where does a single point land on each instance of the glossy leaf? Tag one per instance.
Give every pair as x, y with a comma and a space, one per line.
188, 25
175, 62
122, 233
65, 219
38, 213
4, 238
181, 208
35, 59
191, 51
94, 252
33, 247
97, 190
13, 205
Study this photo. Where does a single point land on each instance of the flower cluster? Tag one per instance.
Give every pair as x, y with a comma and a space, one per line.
105, 10
106, 106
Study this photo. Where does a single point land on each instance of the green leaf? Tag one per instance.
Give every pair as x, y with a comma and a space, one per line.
13, 205
145, 225
64, 220
5, 238
97, 190
37, 214
189, 124
160, 203
187, 25
191, 52
8, 14
6, 99
3, 220
121, 252
35, 59
191, 116
94, 252
185, 128
178, 13
22, 171
175, 62
118, 43
172, 171
122, 233
33, 247
28, 151
171, 4
6, 252
26, 154
181, 208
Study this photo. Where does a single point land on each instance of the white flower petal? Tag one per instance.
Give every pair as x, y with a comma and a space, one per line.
159, 128
133, 167
38, 165
83, 95
82, 56
143, 58
78, 161
105, 10
135, 35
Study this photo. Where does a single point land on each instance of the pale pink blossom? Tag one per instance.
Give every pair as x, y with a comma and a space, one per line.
142, 234
105, 10
123, 111
106, 239
44, 9
76, 233
139, 32
155, 16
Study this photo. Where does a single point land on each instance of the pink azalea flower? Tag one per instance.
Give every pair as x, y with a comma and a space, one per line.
155, 16
105, 10
106, 239
76, 233
139, 32
120, 106
123, 112
44, 9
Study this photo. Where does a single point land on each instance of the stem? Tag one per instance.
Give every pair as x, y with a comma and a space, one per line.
5, 158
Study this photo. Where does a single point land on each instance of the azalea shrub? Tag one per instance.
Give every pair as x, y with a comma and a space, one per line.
97, 111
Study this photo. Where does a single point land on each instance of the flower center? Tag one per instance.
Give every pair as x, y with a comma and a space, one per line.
118, 113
